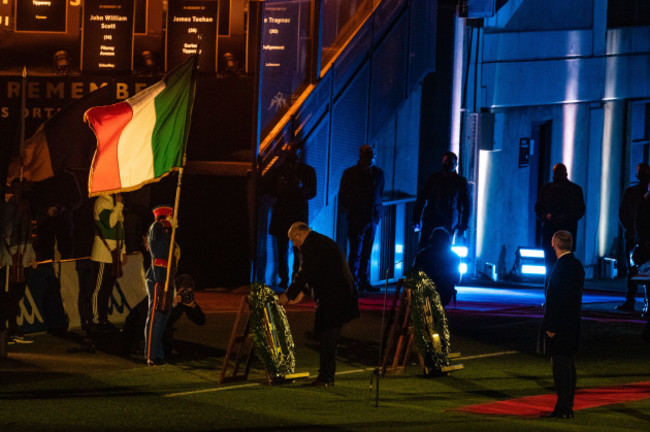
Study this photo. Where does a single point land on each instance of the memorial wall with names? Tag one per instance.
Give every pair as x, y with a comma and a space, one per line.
192, 29
107, 43
49, 16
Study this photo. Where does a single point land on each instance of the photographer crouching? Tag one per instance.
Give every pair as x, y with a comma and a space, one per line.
184, 303
132, 334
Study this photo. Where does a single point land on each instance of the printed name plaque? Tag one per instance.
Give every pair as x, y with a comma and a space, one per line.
191, 29
44, 16
107, 43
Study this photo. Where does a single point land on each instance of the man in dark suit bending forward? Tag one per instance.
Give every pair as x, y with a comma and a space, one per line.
325, 276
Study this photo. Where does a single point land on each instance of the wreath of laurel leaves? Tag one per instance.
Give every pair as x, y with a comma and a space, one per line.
422, 288
284, 362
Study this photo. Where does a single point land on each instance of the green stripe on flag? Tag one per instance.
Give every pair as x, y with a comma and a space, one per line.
173, 107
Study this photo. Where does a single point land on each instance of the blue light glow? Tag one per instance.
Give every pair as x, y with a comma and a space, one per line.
531, 253
462, 268
533, 269
461, 251
399, 248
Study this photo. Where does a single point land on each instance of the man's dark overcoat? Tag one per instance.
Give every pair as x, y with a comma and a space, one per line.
360, 195
445, 201
563, 306
564, 201
293, 185
325, 275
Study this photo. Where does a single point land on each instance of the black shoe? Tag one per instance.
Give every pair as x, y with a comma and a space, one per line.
158, 362
20, 339
626, 307
320, 383
558, 414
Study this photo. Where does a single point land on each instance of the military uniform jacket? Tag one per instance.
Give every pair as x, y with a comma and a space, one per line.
158, 240
325, 276
563, 305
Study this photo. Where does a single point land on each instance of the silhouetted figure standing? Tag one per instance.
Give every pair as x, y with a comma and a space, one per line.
560, 206
627, 216
108, 254
440, 264
360, 194
18, 255
561, 323
292, 184
83, 246
641, 254
444, 200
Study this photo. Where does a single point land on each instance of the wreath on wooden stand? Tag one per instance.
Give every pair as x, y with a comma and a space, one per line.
271, 333
430, 331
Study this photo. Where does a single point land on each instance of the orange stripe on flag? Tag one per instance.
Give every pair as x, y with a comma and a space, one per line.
108, 122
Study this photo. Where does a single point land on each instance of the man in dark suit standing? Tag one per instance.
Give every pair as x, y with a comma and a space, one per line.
293, 184
559, 207
360, 194
442, 202
627, 216
324, 275
562, 321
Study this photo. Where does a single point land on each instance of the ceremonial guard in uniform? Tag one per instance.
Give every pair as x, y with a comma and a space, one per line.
160, 303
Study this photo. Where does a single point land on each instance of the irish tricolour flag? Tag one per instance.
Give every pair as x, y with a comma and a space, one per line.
143, 138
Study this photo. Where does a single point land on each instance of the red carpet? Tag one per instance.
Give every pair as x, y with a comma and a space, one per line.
534, 406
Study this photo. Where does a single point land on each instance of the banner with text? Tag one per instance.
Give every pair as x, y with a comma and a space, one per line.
48, 16
107, 43
192, 29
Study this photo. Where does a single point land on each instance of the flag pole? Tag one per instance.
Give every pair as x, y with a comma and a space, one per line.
23, 107
173, 235
178, 184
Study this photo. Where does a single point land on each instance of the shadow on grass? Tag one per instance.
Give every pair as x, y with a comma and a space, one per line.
631, 412
14, 371
74, 393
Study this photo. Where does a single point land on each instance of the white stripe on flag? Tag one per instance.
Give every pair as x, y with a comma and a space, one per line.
135, 153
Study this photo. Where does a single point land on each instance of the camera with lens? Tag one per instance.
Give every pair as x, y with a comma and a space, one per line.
185, 287
187, 296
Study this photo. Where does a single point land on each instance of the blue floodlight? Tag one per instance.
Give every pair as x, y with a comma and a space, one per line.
461, 251
529, 264
528, 269
531, 253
